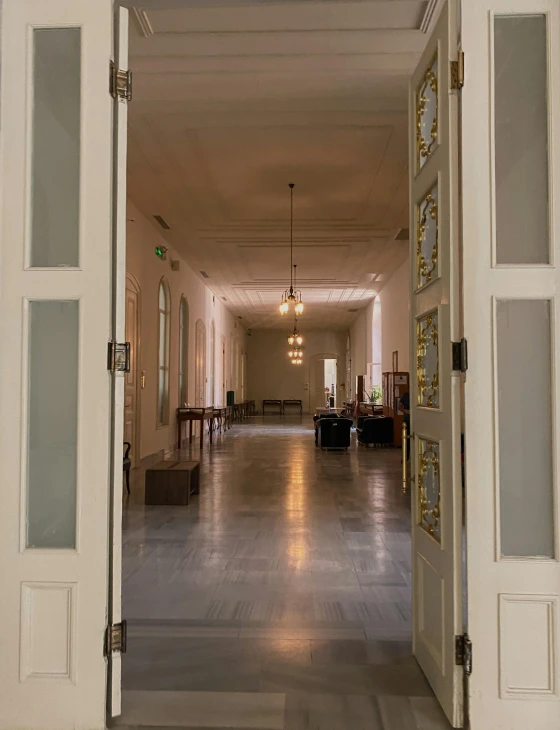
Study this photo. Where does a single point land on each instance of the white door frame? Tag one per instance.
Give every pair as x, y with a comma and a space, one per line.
513, 602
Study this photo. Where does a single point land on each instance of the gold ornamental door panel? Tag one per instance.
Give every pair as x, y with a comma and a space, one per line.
427, 107
427, 238
427, 361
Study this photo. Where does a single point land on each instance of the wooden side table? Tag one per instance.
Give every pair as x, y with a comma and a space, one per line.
172, 482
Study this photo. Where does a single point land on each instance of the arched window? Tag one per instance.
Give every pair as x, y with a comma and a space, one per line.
164, 305
183, 352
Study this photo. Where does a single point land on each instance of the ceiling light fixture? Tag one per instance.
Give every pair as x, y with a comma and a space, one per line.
295, 338
291, 295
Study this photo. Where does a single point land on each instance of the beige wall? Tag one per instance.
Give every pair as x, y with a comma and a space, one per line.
395, 313
272, 375
148, 269
395, 317
361, 344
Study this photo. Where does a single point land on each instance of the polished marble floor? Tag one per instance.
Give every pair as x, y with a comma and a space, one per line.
280, 598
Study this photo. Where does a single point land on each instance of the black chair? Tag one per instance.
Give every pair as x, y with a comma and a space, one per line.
333, 433
316, 420
375, 430
127, 463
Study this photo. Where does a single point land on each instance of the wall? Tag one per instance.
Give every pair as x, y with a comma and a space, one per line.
395, 317
272, 375
147, 269
361, 344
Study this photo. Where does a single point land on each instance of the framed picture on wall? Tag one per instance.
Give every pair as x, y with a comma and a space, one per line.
395, 361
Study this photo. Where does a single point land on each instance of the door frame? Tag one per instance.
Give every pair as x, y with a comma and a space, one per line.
312, 360
135, 286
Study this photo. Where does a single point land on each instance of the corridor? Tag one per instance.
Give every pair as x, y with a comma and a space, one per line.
280, 598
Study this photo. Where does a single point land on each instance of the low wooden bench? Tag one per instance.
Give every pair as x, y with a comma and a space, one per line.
272, 402
172, 482
292, 402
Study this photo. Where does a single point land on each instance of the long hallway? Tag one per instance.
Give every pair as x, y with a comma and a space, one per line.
280, 598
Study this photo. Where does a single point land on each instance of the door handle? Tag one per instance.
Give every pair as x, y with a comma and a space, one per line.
405, 447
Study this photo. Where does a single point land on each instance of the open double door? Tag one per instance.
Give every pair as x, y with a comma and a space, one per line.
485, 238
62, 278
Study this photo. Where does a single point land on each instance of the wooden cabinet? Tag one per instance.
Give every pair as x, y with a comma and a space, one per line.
395, 385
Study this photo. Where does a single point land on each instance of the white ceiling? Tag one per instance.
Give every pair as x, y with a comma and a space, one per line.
233, 100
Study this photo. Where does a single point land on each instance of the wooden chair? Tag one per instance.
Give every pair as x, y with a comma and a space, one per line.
127, 464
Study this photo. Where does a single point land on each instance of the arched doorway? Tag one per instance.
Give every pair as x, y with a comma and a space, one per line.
132, 378
317, 396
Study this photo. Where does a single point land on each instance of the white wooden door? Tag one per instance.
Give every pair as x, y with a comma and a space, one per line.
131, 378
118, 379
435, 388
55, 389
224, 377
511, 240
200, 364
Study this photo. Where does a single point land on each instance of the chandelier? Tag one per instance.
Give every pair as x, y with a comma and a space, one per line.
291, 295
295, 338
296, 355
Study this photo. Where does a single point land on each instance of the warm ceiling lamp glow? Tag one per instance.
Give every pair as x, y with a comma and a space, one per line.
291, 340
291, 295
290, 354
299, 339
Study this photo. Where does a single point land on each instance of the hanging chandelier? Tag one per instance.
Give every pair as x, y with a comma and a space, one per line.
296, 353
295, 338
291, 295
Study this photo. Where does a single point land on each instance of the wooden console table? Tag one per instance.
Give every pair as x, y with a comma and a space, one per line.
272, 402
292, 402
194, 414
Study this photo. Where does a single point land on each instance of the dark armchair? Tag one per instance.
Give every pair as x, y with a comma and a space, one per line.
375, 430
333, 433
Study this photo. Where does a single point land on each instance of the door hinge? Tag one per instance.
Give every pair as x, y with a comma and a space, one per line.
118, 357
115, 639
460, 356
463, 652
120, 83
457, 72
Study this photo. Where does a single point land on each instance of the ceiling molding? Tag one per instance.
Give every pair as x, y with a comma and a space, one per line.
143, 23
433, 9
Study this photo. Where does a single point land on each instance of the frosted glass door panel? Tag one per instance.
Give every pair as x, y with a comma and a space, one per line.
55, 165
52, 424
521, 140
525, 428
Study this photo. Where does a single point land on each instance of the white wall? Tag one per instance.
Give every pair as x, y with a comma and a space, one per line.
147, 268
272, 375
361, 344
395, 317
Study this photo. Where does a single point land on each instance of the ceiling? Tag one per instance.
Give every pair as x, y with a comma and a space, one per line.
233, 100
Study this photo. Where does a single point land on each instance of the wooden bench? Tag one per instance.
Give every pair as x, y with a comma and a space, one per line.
172, 482
292, 402
272, 402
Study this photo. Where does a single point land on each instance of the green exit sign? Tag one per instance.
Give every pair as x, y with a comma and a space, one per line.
161, 252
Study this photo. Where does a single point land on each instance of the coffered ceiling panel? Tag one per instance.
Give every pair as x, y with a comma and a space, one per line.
234, 99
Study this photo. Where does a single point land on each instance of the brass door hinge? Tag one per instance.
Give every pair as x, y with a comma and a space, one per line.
120, 83
457, 72
463, 652
118, 357
115, 639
